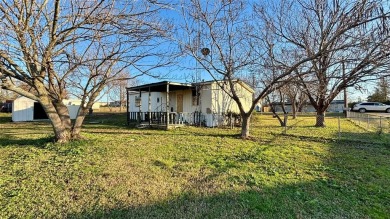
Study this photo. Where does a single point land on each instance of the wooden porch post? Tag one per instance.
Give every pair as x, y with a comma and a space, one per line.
127, 107
149, 108
167, 107
140, 108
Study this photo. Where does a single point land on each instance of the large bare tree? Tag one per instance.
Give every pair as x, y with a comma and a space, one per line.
351, 39
221, 37
75, 46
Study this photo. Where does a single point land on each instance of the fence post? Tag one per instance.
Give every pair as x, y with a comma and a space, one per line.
231, 121
368, 121
338, 118
359, 118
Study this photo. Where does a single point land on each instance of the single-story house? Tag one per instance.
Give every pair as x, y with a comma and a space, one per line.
6, 107
335, 106
25, 109
169, 103
77, 102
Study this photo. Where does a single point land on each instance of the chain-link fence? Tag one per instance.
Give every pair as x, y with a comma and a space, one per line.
370, 122
357, 127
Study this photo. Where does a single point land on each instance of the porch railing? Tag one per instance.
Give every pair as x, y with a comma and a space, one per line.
193, 118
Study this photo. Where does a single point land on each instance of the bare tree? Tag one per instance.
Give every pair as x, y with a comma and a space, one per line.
220, 36
117, 89
75, 46
295, 95
351, 40
273, 104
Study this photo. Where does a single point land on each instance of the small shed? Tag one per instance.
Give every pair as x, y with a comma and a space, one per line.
25, 109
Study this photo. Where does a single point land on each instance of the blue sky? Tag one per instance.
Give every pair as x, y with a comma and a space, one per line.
187, 75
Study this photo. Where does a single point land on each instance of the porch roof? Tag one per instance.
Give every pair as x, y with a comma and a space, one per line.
161, 87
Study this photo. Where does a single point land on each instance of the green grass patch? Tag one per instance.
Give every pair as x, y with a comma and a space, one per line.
123, 172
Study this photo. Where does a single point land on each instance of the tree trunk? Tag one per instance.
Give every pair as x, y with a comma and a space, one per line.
63, 112
320, 118
62, 134
245, 126
294, 109
283, 122
300, 106
76, 129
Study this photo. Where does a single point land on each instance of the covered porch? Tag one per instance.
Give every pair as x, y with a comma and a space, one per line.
151, 105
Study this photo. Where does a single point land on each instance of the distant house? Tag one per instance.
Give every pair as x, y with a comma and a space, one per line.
335, 106
202, 103
6, 107
77, 102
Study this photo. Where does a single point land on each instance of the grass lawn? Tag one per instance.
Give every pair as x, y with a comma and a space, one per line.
123, 172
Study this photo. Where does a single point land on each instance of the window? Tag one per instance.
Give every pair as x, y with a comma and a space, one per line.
137, 101
158, 100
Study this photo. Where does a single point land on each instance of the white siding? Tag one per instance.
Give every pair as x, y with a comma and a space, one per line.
221, 102
187, 102
22, 109
73, 111
217, 103
161, 105
205, 99
336, 107
155, 106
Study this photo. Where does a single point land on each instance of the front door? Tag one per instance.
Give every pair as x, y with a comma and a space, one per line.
179, 101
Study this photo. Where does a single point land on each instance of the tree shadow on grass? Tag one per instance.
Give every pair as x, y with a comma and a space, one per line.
7, 141
5, 117
159, 132
366, 138
349, 182
317, 199
137, 132
20, 134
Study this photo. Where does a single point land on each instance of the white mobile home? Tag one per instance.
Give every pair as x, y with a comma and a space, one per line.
204, 103
26, 109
